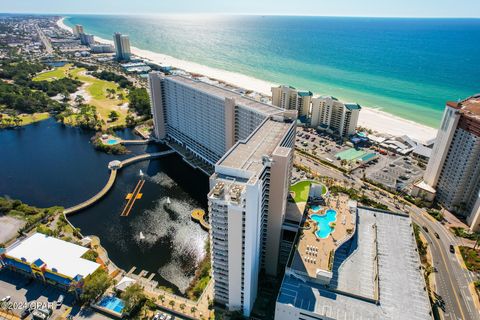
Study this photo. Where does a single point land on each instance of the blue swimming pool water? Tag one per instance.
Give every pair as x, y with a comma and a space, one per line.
324, 228
112, 141
113, 303
368, 156
315, 208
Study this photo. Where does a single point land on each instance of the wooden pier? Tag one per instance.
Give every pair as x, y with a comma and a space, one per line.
132, 197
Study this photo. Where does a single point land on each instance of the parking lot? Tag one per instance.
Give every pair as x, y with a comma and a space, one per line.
24, 293
387, 168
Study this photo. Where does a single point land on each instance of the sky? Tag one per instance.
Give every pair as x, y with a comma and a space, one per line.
366, 8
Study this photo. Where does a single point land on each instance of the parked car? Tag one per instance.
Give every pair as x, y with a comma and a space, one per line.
60, 301
157, 316
452, 248
25, 313
6, 299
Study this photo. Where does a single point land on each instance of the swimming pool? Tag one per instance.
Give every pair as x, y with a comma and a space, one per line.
111, 141
324, 221
112, 303
316, 208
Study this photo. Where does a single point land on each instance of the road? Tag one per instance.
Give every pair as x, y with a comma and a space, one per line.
452, 280
46, 42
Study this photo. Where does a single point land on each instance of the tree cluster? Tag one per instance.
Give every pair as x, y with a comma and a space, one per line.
63, 86
19, 70
25, 100
139, 101
112, 76
95, 285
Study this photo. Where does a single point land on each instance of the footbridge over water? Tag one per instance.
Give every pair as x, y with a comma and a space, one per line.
114, 166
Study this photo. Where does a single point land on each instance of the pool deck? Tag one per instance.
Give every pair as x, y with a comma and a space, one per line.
314, 254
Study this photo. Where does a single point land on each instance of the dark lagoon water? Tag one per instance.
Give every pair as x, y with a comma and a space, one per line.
47, 164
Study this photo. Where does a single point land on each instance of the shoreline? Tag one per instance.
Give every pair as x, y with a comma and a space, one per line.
371, 118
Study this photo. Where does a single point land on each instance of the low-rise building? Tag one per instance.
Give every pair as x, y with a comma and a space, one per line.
102, 48
50, 260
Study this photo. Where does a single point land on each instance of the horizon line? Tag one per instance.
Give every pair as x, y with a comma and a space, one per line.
65, 14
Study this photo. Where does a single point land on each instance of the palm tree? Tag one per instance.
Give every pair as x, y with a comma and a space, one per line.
182, 306
172, 304
477, 239
161, 297
79, 100
193, 310
66, 96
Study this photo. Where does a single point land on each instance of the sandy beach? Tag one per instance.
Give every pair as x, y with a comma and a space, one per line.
369, 117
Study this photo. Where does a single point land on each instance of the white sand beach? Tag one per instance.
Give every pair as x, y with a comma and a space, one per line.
369, 117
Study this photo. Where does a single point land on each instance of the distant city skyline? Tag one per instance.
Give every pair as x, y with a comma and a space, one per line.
366, 8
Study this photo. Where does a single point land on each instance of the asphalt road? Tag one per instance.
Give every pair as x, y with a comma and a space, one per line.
452, 280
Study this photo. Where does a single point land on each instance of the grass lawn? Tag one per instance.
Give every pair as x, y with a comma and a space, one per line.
29, 118
55, 74
471, 258
301, 190
95, 88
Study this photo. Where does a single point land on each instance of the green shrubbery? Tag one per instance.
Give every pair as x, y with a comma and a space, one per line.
91, 255
202, 276
95, 285
354, 195
32, 215
460, 232
436, 214
471, 257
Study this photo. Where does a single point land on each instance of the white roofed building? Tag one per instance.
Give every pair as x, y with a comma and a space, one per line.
51, 260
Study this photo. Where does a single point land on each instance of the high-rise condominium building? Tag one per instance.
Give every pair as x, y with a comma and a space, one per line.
453, 172
251, 146
77, 30
332, 115
87, 39
289, 98
122, 46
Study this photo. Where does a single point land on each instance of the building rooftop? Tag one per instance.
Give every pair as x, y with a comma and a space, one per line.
383, 248
305, 93
353, 106
469, 106
223, 93
306, 263
248, 154
60, 256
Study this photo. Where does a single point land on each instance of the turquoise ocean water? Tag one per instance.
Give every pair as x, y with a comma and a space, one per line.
406, 67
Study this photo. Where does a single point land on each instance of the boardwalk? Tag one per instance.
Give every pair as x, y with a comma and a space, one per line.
132, 198
126, 142
111, 179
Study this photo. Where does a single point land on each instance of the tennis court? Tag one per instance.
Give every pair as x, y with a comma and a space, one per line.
350, 154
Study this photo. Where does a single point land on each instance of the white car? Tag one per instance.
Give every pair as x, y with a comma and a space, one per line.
6, 299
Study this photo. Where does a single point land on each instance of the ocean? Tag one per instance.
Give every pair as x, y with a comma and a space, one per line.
405, 67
